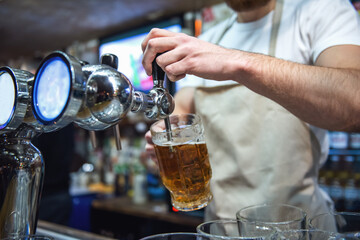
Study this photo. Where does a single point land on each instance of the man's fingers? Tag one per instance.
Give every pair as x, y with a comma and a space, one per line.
155, 46
155, 33
150, 152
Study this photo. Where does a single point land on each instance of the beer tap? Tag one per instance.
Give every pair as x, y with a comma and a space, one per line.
14, 97
95, 97
165, 100
21, 163
63, 90
164, 103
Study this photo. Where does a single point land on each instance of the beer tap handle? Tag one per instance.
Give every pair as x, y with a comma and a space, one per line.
159, 77
158, 74
112, 61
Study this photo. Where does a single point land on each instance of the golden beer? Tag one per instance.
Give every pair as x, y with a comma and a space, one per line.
183, 161
185, 171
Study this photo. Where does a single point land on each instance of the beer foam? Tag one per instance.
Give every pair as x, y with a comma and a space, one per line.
179, 142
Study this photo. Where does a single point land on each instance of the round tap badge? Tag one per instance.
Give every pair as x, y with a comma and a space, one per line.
7, 98
52, 89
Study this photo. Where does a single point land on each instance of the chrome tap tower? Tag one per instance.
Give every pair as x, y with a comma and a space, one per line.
64, 90
21, 164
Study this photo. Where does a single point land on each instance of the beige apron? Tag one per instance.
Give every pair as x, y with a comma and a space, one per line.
259, 152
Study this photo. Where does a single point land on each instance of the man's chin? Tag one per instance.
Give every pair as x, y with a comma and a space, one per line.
246, 5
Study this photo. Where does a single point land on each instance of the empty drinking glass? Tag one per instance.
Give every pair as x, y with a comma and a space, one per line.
176, 236
345, 223
258, 220
226, 229
304, 234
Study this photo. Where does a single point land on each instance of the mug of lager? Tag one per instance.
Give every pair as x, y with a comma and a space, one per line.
183, 161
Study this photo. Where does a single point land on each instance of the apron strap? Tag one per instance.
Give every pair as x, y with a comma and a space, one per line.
275, 27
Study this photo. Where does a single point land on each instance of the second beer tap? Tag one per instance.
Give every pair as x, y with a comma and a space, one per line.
95, 97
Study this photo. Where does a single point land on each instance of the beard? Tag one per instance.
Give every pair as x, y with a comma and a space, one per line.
246, 5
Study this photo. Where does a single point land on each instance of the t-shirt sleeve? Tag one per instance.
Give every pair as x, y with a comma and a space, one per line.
331, 23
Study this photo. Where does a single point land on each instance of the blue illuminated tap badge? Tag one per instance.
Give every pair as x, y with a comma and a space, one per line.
52, 89
7, 98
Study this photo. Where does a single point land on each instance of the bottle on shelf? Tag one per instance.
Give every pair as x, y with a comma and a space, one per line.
338, 140
335, 182
340, 176
354, 140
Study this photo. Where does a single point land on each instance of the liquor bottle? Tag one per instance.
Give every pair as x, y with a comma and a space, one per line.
354, 140
337, 182
337, 191
339, 140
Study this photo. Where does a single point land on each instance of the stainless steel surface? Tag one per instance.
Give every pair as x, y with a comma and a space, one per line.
22, 171
93, 139
21, 81
163, 101
22, 114
61, 232
163, 104
21, 164
116, 129
168, 129
107, 100
101, 96
141, 102
110, 96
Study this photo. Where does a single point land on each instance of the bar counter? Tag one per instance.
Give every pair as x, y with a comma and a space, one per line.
120, 218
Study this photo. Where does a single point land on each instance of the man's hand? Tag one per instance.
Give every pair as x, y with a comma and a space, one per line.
185, 55
149, 147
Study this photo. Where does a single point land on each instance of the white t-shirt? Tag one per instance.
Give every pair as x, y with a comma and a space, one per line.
307, 28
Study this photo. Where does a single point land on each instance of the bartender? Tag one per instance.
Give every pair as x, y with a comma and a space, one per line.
268, 81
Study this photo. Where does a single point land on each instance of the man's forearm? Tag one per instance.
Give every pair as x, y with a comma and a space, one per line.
324, 97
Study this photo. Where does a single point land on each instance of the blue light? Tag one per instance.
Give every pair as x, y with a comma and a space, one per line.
52, 89
7, 98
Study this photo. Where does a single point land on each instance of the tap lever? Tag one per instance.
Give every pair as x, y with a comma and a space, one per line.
165, 101
110, 60
158, 74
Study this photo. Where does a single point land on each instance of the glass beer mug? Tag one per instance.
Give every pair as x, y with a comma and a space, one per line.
183, 161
